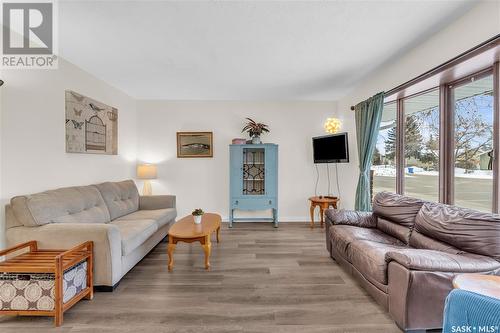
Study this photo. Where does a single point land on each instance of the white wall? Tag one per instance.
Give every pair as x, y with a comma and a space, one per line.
204, 182
481, 23
33, 156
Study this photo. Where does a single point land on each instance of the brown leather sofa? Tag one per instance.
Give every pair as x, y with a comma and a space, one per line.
407, 251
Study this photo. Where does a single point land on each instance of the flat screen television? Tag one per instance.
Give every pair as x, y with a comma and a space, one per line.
331, 148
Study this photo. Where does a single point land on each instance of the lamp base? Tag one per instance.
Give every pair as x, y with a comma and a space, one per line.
146, 190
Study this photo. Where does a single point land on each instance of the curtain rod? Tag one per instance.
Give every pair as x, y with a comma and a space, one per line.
492, 42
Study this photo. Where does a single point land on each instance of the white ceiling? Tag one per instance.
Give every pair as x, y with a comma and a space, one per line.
244, 50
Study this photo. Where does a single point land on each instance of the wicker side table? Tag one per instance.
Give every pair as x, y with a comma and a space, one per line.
44, 282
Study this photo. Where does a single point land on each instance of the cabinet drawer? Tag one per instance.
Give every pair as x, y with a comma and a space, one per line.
253, 203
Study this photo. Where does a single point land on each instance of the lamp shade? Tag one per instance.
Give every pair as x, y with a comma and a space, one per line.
146, 171
332, 125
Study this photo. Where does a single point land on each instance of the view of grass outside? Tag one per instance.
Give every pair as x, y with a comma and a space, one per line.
477, 193
421, 145
383, 164
473, 142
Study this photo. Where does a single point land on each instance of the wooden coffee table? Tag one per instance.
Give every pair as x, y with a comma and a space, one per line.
185, 230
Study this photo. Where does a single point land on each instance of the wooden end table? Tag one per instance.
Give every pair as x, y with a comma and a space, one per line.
323, 203
43, 272
185, 230
488, 285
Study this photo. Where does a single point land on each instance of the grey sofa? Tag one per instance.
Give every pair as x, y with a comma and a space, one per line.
123, 225
407, 252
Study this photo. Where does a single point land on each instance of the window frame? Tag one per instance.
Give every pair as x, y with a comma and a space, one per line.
372, 177
401, 148
446, 135
450, 161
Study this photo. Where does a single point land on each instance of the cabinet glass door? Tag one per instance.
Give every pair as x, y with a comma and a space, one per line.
254, 171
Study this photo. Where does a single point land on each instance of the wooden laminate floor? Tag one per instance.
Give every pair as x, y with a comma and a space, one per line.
262, 280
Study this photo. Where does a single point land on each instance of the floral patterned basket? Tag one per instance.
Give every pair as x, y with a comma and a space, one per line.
45, 282
22, 291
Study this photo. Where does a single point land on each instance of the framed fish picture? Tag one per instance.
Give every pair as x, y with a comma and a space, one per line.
91, 126
195, 144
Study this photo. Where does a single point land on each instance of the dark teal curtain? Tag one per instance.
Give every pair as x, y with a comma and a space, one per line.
368, 115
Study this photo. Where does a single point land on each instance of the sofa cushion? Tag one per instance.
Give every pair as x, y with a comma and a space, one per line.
465, 229
343, 235
397, 208
437, 261
161, 216
134, 233
122, 198
79, 204
394, 229
369, 258
350, 217
419, 241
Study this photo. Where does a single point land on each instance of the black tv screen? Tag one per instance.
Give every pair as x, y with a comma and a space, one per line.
331, 148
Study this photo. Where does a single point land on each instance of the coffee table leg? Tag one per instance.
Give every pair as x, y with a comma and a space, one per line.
218, 230
170, 252
207, 248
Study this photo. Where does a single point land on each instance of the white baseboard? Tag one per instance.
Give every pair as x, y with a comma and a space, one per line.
283, 219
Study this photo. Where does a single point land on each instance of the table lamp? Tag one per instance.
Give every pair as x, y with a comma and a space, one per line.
146, 172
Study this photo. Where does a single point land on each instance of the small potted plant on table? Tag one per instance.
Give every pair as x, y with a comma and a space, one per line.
197, 214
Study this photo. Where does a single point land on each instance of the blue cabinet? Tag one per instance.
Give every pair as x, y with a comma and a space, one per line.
253, 180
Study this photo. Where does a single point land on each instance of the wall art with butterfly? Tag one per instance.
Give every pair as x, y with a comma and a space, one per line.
91, 126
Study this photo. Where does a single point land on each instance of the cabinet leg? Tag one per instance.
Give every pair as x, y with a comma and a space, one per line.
275, 217
90, 278
90, 294
58, 319
231, 217
58, 306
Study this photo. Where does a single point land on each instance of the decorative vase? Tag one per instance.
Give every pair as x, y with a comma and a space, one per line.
256, 140
197, 219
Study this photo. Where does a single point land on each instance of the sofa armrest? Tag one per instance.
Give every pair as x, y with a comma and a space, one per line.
150, 202
350, 217
106, 238
436, 261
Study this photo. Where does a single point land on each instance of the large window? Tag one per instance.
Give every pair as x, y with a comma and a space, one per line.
472, 106
421, 145
384, 156
440, 144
